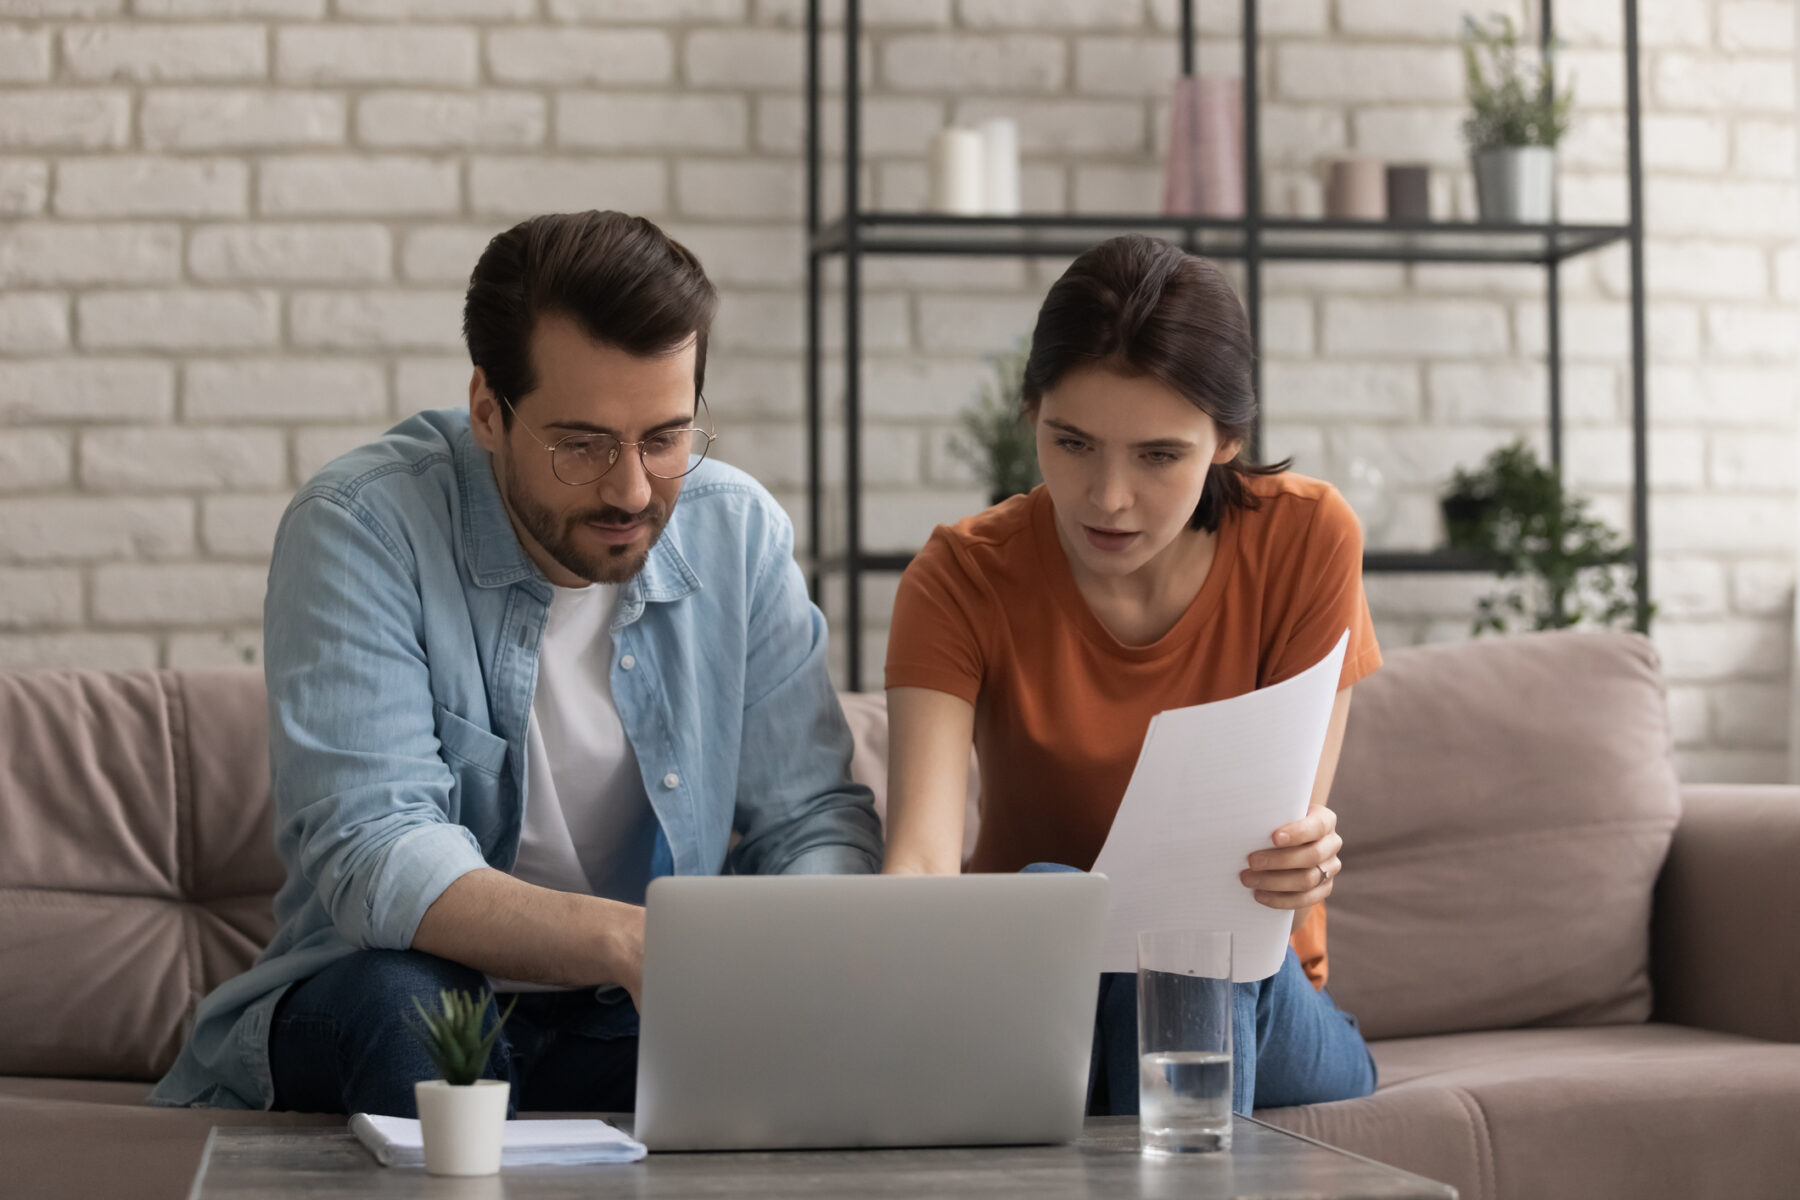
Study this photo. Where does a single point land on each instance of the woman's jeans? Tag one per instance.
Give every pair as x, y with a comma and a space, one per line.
1289, 1043
342, 1040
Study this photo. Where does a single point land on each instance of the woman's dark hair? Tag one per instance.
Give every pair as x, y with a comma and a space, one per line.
623, 280
1139, 306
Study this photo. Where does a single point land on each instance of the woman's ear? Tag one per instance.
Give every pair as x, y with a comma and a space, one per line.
1227, 451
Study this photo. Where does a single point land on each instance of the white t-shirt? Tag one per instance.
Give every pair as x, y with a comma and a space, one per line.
588, 825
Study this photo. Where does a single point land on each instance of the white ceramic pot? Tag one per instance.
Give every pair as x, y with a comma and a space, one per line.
1516, 184
463, 1125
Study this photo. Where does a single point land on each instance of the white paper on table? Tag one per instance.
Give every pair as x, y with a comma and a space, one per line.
398, 1142
1211, 784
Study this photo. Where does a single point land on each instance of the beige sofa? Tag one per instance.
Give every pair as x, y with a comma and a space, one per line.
1557, 1011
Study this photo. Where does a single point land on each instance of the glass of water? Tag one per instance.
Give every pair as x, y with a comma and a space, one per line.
1184, 996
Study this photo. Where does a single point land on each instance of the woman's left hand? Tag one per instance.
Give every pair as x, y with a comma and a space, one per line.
1302, 868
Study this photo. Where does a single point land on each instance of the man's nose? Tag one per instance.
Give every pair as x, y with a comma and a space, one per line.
627, 485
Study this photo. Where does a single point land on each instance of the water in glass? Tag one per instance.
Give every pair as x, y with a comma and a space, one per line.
1184, 1100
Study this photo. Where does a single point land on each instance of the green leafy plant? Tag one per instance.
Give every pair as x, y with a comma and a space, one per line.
453, 1036
996, 439
1560, 566
1511, 101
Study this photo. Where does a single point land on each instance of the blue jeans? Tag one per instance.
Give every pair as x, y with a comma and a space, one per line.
1289, 1043
341, 1041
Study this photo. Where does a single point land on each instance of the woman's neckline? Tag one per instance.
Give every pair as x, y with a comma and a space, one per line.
1061, 575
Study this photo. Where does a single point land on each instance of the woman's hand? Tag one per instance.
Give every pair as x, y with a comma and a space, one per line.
1302, 868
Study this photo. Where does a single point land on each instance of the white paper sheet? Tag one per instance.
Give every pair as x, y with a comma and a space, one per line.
1211, 784
397, 1142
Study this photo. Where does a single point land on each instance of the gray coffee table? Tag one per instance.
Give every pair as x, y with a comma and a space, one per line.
242, 1163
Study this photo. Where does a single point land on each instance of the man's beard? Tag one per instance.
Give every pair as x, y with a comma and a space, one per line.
556, 534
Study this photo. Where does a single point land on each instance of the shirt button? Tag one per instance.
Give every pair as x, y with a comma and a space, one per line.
671, 779
628, 662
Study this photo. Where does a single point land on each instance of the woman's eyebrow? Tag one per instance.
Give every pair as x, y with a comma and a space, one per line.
1168, 443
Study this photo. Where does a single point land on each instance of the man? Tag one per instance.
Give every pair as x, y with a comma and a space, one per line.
510, 681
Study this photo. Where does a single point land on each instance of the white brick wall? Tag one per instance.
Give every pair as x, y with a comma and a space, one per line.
174, 320
359, 185
563, 56
376, 54
289, 253
33, 322
152, 187
150, 54
236, 232
238, 119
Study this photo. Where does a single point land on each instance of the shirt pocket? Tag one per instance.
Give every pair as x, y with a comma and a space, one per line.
468, 743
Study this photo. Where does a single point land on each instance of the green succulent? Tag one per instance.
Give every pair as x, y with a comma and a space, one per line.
453, 1035
1511, 103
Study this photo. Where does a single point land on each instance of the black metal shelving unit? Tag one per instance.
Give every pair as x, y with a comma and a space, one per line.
1251, 239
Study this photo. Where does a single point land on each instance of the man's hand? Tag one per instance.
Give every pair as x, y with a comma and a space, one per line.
1303, 868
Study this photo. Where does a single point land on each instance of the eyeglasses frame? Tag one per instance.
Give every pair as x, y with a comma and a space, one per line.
700, 407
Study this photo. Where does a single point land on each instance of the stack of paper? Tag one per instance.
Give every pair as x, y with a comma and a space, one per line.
1212, 783
396, 1142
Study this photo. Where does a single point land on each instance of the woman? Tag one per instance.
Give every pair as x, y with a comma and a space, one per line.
1154, 569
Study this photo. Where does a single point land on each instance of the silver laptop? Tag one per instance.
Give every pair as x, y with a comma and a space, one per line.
821, 1010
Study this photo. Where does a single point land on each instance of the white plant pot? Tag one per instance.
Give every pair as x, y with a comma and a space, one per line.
1516, 184
463, 1125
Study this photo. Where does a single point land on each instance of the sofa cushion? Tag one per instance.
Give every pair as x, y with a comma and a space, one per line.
139, 864
1505, 804
1564, 1114
866, 713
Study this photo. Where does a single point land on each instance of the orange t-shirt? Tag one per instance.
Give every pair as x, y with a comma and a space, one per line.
990, 612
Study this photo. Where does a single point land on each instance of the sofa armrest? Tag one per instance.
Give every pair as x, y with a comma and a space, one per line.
1725, 937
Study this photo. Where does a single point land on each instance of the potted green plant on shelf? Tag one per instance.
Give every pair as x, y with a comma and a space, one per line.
996, 440
462, 1117
1516, 117
1560, 566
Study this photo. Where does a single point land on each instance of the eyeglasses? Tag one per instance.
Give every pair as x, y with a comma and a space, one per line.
583, 458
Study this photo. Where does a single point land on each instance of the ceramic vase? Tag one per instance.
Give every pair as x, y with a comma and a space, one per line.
1356, 190
1516, 185
1205, 171
463, 1125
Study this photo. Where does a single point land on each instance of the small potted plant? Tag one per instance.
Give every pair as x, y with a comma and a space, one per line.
1559, 566
996, 439
1516, 118
1469, 504
462, 1117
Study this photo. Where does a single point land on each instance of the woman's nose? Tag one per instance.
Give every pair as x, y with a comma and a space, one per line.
1110, 489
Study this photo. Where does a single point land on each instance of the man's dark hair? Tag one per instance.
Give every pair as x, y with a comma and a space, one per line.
625, 282
1139, 306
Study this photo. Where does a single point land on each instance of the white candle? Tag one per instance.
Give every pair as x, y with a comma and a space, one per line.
956, 170
1000, 161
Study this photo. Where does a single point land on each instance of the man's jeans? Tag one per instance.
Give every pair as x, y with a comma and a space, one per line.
1289, 1043
344, 1040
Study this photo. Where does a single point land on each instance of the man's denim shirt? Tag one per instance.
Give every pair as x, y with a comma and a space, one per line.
401, 637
